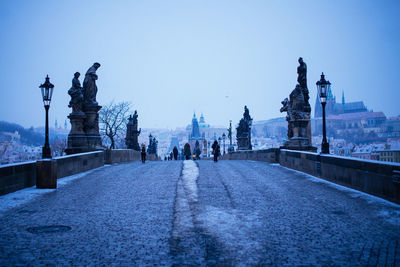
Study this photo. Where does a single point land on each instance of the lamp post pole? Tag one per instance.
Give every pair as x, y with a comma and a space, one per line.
47, 93
323, 87
46, 151
223, 139
325, 144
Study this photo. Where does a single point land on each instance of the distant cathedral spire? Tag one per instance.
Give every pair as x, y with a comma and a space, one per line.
195, 127
343, 102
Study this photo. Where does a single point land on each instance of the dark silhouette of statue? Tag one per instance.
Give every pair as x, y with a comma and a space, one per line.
76, 94
243, 131
302, 73
132, 132
89, 85
298, 113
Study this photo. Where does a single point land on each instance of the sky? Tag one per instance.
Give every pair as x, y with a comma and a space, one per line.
173, 58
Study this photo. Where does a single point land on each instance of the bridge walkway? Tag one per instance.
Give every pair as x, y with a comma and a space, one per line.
199, 213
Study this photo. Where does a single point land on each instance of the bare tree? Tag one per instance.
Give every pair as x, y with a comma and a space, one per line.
58, 146
113, 120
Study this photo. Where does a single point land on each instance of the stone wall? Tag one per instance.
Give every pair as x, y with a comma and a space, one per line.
17, 176
381, 179
267, 155
76, 163
121, 155
372, 177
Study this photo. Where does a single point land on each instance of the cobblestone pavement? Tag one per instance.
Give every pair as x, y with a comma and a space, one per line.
232, 213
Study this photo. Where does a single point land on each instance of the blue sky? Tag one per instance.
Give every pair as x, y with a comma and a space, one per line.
170, 58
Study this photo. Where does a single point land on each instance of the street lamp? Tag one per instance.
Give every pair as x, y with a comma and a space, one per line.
223, 138
47, 92
323, 87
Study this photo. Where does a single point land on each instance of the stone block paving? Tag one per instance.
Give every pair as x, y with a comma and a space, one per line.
119, 215
262, 214
246, 214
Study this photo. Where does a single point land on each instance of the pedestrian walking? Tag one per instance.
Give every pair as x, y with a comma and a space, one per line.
175, 152
143, 153
216, 150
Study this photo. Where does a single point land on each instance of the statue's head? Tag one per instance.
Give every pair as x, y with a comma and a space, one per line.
77, 74
96, 65
301, 60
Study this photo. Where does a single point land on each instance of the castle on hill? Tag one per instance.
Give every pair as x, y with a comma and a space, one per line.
333, 108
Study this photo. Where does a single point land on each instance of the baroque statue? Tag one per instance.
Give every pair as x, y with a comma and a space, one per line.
76, 94
298, 113
243, 131
89, 85
132, 132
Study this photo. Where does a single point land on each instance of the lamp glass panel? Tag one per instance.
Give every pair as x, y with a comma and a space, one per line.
42, 90
46, 93
51, 93
323, 90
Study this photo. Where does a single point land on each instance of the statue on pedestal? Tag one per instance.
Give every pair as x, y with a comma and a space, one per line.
76, 94
89, 85
77, 141
84, 135
298, 113
243, 131
132, 133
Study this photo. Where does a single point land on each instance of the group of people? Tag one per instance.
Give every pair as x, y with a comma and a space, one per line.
216, 151
173, 155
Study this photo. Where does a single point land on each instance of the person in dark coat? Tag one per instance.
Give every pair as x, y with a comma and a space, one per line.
175, 151
216, 150
143, 153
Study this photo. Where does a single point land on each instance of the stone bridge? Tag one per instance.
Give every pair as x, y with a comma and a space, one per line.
234, 212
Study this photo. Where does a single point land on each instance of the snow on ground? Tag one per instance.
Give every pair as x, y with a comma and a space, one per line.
233, 230
186, 194
23, 196
190, 173
392, 216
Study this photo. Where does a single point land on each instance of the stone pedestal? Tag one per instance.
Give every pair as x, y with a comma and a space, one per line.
132, 140
243, 143
301, 139
46, 173
77, 141
91, 126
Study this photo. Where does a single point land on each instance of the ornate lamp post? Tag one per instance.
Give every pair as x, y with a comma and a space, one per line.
47, 93
223, 139
323, 87
230, 148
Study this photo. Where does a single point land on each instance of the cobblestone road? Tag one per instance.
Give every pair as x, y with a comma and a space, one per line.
204, 213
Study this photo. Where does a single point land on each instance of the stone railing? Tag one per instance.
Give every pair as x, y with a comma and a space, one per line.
377, 178
17, 176
44, 173
121, 155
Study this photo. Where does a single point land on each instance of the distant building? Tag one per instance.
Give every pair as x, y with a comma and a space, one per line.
174, 142
389, 155
350, 121
195, 135
392, 127
333, 108
202, 123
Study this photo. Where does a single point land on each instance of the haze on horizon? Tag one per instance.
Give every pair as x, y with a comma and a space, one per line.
171, 58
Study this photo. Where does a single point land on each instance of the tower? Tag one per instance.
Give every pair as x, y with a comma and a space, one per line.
343, 98
195, 128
